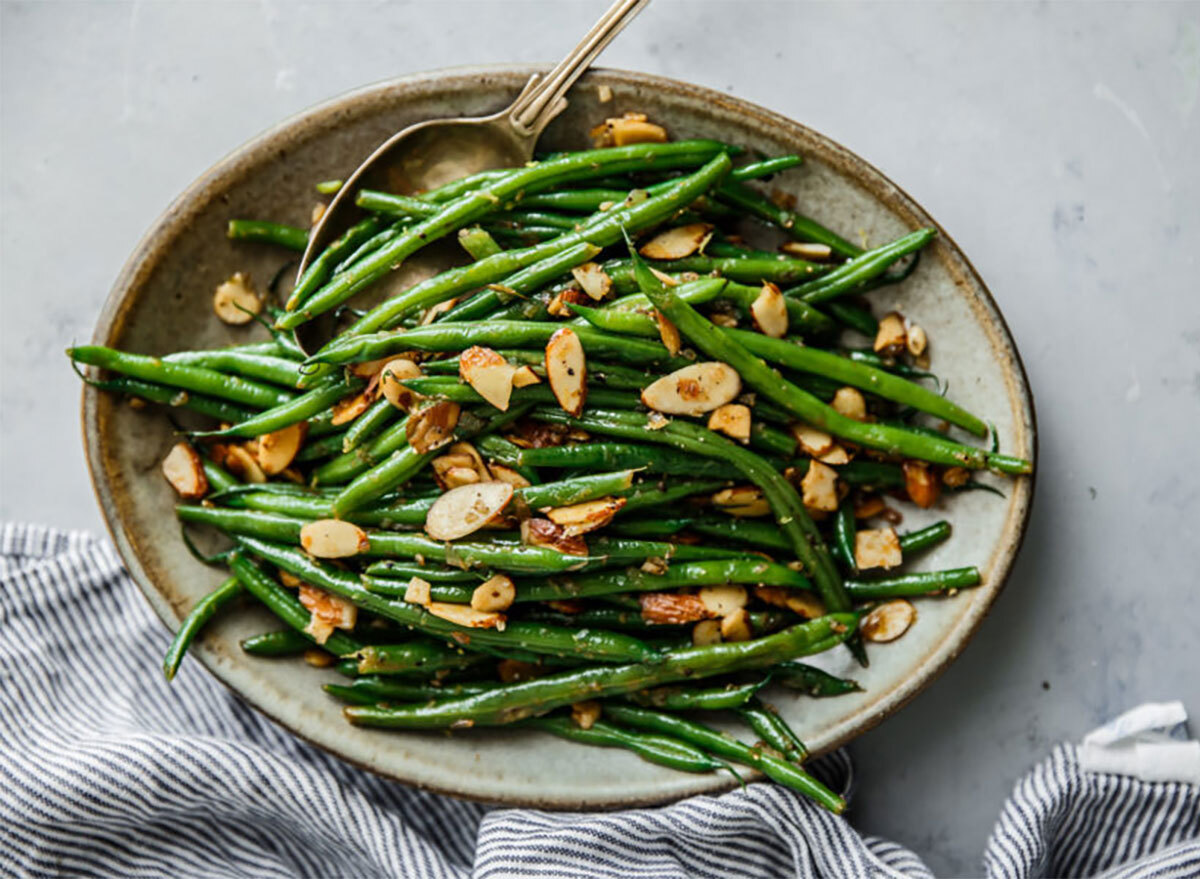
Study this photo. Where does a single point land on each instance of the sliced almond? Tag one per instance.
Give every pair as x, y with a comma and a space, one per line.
916, 341
722, 600
349, 408
564, 605
627, 130
291, 581
543, 532
524, 377
585, 714
678, 242
743, 501
466, 509
655, 565
921, 483
672, 608
819, 487
732, 419
888, 621
851, 403
667, 280
706, 632
333, 539
656, 421
694, 390
587, 516
668, 332
432, 313
235, 301
593, 279
722, 319
494, 594
869, 506
956, 477
735, 626
371, 368
241, 463
559, 306
488, 373
506, 474
459, 476
391, 377
470, 452
433, 426
418, 591
891, 338
836, 456
319, 658
812, 441
466, 616
807, 250
877, 548
769, 311
566, 370
327, 612
277, 449
604, 94
185, 472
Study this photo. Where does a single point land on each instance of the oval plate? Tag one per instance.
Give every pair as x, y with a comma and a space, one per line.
162, 303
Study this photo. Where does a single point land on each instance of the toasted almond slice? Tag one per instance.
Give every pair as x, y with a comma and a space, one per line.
418, 591
807, 250
625, 131
888, 621
732, 419
723, 319
722, 600
466, 616
391, 378
566, 370
921, 483
543, 532
812, 441
805, 604
488, 373
277, 449
672, 608
878, 548
333, 539
585, 714
819, 487
291, 581
559, 306
587, 516
694, 390
869, 506
891, 338
466, 509
493, 594
185, 472
347, 409
916, 341
851, 403
319, 658
507, 474
235, 301
735, 626
431, 314
743, 501
668, 332
769, 311
455, 477
469, 451
667, 280
956, 477
369, 368
433, 426
524, 377
678, 242
655, 565
706, 632
593, 279
656, 421
836, 456
327, 612
241, 463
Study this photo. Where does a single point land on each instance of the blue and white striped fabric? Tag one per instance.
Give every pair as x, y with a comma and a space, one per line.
105, 771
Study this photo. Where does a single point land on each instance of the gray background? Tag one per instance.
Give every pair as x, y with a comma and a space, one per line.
1057, 143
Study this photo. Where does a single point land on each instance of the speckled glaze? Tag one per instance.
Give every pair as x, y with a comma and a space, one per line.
162, 302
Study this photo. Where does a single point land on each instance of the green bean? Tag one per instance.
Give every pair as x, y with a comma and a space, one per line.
772, 730
843, 535
810, 680
325, 263
608, 456
765, 167
483, 303
583, 200
277, 370
851, 275
531, 698
328, 187
650, 495
456, 391
287, 642
173, 397
855, 317
915, 584
478, 243
320, 449
538, 219
781, 771
652, 529
592, 644
205, 609
423, 655
696, 699
370, 689
802, 228
782, 271
368, 424
350, 464
472, 205
805, 319
404, 570
931, 535
396, 205
190, 378
285, 605
293, 410
758, 533
262, 231
447, 366
659, 749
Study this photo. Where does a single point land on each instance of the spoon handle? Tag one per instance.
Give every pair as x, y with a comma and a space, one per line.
536, 106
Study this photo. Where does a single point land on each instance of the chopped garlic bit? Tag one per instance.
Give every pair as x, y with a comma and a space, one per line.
732, 419
819, 488
327, 612
585, 714
851, 403
878, 548
736, 626
891, 337
921, 483
917, 341
235, 301
418, 591
628, 129
706, 632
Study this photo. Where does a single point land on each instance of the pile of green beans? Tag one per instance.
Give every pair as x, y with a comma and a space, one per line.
644, 567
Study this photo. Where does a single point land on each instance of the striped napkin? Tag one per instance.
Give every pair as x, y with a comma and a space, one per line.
107, 771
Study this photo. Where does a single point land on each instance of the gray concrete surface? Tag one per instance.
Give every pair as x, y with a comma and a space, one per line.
1057, 143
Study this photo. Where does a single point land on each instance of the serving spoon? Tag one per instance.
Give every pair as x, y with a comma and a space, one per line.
437, 151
